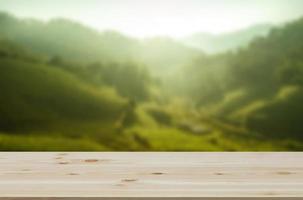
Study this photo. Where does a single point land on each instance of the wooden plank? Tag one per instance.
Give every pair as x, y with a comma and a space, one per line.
147, 175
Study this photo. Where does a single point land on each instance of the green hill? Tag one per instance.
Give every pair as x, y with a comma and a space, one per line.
245, 87
41, 98
40, 94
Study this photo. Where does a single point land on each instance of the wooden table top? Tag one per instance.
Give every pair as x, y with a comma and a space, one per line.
186, 175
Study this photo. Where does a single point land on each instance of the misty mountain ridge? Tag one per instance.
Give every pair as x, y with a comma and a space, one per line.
74, 41
207, 42
162, 55
212, 44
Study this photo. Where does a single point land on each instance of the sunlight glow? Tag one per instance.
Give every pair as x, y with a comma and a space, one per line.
176, 18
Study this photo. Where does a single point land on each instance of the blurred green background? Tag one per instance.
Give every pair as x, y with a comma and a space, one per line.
67, 87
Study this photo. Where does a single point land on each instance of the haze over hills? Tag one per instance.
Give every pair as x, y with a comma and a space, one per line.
213, 44
75, 41
63, 81
162, 55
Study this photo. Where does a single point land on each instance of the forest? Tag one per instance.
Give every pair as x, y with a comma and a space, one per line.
65, 86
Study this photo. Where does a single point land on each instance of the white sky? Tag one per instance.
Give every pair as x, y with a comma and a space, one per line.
176, 18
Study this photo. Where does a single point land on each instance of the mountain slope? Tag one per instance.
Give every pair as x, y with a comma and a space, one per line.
34, 95
66, 38
258, 87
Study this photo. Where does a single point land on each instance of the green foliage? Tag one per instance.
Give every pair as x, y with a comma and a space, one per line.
282, 116
160, 116
129, 79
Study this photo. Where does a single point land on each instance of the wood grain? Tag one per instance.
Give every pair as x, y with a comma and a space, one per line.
147, 175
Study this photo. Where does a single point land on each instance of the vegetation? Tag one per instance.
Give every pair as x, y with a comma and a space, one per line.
65, 86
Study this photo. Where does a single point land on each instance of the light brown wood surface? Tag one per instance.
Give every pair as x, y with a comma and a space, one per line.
201, 175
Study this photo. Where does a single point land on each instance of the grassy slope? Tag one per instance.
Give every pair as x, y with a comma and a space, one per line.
44, 142
39, 98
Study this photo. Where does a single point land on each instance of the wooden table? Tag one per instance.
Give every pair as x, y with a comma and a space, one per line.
146, 175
